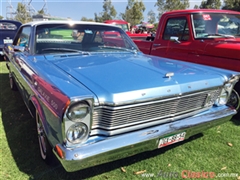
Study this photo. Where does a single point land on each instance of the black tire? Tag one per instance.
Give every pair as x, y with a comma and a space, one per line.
44, 146
12, 83
234, 100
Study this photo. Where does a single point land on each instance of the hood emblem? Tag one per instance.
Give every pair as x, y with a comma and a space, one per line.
169, 74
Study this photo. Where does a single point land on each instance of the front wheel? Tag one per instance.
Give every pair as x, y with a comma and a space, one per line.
45, 148
234, 101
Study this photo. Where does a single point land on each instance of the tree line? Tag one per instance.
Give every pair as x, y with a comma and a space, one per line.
135, 8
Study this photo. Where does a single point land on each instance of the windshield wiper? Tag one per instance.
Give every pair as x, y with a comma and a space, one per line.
65, 50
224, 35
119, 48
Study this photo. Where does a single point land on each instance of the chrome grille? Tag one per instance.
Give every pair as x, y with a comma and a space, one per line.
110, 118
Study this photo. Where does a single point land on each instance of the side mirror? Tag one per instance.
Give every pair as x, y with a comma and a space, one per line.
174, 39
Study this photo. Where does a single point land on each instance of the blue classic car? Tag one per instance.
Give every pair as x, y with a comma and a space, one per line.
96, 98
8, 29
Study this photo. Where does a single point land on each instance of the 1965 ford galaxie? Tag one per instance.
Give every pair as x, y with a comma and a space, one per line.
96, 98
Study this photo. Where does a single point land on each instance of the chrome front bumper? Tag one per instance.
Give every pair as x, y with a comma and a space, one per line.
128, 144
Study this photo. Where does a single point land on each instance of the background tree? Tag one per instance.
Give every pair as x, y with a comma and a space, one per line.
176, 4
160, 7
127, 14
151, 16
169, 5
41, 12
108, 13
22, 14
134, 12
1, 17
210, 4
86, 19
232, 5
196, 7
98, 18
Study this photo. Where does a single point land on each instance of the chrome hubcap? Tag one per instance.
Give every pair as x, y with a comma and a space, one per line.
234, 100
41, 138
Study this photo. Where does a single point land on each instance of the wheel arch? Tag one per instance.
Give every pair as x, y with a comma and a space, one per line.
237, 89
34, 105
237, 92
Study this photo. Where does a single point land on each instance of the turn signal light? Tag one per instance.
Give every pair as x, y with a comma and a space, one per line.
59, 151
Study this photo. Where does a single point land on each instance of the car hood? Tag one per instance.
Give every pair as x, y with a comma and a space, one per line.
124, 78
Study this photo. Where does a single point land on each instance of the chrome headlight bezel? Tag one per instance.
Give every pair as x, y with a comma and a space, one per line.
223, 98
78, 111
77, 133
226, 91
77, 121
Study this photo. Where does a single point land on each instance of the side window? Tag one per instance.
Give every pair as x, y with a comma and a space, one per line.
199, 25
8, 26
177, 27
98, 37
24, 37
78, 35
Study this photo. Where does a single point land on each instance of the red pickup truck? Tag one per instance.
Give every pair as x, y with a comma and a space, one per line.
203, 36
126, 27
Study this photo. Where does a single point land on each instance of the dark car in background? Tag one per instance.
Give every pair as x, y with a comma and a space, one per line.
8, 29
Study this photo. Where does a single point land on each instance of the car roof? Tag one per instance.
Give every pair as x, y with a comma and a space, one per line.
17, 23
116, 21
203, 11
36, 23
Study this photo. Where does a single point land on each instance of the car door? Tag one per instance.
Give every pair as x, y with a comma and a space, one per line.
18, 57
176, 41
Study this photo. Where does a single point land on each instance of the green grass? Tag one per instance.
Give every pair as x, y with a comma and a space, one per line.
20, 159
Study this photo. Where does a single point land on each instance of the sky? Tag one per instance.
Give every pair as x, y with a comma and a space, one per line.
76, 9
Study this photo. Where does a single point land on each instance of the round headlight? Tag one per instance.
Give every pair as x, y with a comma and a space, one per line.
78, 111
77, 133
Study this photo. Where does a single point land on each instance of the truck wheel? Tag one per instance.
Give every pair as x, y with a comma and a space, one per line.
234, 101
12, 83
45, 148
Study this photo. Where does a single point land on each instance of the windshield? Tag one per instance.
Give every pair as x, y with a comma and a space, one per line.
65, 38
123, 26
7, 26
209, 25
